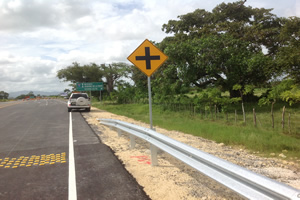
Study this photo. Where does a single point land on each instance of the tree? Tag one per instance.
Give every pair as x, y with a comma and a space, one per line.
28, 95
94, 73
220, 61
31, 94
140, 83
22, 96
247, 89
113, 72
285, 90
291, 96
76, 73
167, 84
67, 91
288, 56
125, 93
257, 25
233, 44
3, 95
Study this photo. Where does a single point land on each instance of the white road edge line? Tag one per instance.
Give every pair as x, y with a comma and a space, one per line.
72, 173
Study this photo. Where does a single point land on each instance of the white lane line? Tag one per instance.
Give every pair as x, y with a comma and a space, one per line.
72, 175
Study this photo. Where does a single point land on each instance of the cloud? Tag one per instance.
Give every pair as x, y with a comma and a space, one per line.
29, 73
31, 15
39, 37
280, 8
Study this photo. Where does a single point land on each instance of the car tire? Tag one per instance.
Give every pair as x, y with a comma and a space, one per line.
88, 109
69, 109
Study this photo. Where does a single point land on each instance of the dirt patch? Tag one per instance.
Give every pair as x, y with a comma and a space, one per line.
172, 179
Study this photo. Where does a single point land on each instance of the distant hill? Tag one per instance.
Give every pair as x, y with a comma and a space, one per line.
15, 94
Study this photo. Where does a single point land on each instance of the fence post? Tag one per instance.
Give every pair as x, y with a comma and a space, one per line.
283, 112
254, 117
272, 114
215, 112
244, 114
235, 115
289, 122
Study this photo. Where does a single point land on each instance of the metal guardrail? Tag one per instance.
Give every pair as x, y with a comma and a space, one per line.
243, 181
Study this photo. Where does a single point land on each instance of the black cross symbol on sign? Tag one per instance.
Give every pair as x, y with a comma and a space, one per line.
147, 58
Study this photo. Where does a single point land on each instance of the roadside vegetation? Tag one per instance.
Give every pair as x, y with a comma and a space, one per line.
233, 76
267, 141
3, 100
3, 96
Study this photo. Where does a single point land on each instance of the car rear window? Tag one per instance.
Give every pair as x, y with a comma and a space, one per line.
76, 96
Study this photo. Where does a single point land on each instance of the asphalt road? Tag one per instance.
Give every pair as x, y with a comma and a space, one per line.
37, 162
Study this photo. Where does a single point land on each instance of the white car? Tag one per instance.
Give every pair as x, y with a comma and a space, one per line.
79, 101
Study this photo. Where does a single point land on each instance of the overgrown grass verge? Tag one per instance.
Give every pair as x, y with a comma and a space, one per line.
252, 138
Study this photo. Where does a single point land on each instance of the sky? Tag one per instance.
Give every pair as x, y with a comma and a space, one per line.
40, 37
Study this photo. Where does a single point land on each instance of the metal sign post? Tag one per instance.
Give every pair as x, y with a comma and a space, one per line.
148, 58
150, 102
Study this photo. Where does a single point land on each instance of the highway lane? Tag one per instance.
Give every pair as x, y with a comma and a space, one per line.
34, 153
33, 133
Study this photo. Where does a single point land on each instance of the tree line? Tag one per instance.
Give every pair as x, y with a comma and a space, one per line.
234, 48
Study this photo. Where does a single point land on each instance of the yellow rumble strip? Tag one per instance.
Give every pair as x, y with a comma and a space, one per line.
33, 160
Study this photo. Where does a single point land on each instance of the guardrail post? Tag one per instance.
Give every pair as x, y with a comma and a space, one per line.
119, 133
153, 150
132, 141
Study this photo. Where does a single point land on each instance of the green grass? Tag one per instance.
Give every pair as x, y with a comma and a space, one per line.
264, 120
264, 140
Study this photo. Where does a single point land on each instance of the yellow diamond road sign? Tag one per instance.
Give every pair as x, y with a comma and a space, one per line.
147, 57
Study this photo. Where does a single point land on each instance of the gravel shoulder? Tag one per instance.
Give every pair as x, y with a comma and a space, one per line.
172, 179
